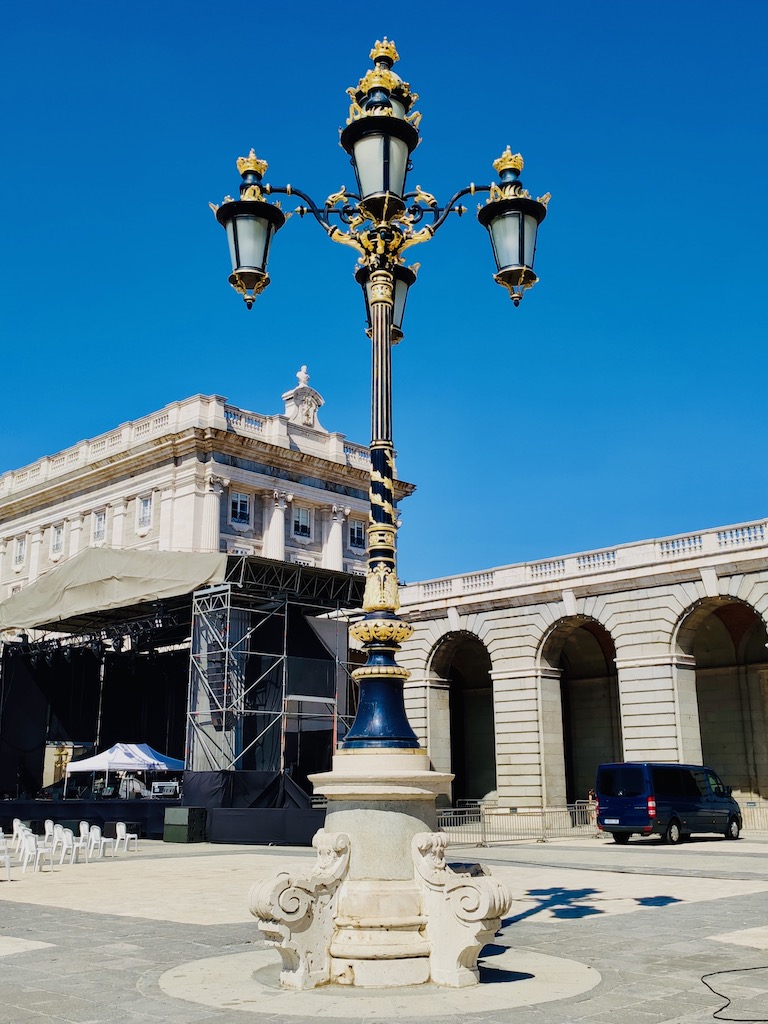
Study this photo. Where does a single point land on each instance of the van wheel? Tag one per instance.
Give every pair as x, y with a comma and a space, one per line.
673, 835
733, 830
622, 838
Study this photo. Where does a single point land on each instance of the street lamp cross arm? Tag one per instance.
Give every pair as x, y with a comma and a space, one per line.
311, 207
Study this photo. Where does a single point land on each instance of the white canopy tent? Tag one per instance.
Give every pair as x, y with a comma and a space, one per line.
125, 757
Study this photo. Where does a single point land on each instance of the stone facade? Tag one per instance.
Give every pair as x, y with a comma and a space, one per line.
198, 475
525, 677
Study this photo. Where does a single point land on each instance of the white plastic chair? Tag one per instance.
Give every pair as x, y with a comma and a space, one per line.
97, 843
36, 851
5, 856
124, 836
18, 831
57, 838
71, 845
48, 836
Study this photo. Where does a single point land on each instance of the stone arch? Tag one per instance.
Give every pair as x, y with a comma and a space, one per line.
580, 697
461, 661
722, 641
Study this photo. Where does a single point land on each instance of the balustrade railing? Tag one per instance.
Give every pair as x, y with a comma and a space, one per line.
741, 536
609, 560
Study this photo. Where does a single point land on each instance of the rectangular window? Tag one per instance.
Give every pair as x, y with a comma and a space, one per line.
356, 533
301, 521
99, 525
145, 513
240, 508
20, 552
57, 539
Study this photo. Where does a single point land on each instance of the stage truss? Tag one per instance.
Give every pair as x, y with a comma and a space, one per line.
227, 726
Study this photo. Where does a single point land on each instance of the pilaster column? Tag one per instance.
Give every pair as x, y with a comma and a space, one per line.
530, 755
35, 544
274, 540
659, 708
118, 522
211, 530
167, 499
75, 534
333, 549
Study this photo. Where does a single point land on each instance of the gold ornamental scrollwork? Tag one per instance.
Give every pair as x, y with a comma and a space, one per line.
381, 536
383, 630
381, 590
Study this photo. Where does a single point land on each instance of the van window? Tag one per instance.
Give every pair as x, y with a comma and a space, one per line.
671, 782
621, 780
701, 781
718, 789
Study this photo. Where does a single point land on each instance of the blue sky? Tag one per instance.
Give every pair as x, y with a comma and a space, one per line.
622, 400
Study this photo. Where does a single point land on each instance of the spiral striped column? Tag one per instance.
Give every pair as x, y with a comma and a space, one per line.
381, 720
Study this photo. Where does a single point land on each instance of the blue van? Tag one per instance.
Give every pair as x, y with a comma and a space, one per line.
670, 800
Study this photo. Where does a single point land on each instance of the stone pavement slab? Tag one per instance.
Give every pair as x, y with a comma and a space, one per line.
93, 942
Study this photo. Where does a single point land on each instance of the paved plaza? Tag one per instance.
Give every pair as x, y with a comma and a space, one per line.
597, 933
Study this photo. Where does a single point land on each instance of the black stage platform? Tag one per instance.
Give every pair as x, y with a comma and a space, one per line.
148, 815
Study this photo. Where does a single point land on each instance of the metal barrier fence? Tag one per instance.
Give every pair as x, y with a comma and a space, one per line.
482, 824
754, 817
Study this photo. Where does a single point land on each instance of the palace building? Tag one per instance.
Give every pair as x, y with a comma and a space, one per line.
200, 475
523, 677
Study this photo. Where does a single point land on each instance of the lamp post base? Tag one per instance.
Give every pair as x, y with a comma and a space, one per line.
381, 908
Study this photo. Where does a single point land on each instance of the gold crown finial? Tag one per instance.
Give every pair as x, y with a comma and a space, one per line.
383, 48
251, 163
508, 161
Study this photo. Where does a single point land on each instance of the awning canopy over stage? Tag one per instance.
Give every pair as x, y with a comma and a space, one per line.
103, 586
98, 580
137, 757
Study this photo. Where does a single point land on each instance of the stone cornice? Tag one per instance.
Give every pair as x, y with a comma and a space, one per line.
193, 440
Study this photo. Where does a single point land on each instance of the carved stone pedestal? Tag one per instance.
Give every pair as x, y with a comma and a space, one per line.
381, 908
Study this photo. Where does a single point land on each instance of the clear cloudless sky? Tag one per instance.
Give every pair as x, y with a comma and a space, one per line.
623, 400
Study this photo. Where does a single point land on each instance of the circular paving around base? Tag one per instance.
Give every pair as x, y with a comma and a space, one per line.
250, 982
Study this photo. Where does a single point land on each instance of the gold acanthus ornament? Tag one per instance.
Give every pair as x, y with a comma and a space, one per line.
381, 591
382, 630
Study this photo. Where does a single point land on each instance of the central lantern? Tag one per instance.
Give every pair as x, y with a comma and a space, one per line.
379, 137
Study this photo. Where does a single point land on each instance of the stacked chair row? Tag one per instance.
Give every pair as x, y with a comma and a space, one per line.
61, 842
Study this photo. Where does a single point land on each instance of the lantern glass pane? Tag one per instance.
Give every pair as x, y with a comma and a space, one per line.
398, 165
530, 227
231, 239
505, 235
369, 164
401, 294
252, 238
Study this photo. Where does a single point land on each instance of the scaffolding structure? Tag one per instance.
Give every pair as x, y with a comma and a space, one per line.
268, 666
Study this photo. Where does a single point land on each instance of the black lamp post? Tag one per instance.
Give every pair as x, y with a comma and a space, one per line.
381, 222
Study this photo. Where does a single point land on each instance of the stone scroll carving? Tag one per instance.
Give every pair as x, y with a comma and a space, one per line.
296, 913
463, 911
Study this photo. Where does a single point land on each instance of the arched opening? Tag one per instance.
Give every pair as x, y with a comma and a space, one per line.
463, 662
727, 642
583, 654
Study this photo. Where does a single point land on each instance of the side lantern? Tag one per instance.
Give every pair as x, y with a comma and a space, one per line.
250, 223
512, 218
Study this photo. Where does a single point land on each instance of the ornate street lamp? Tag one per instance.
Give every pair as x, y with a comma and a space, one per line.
382, 221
